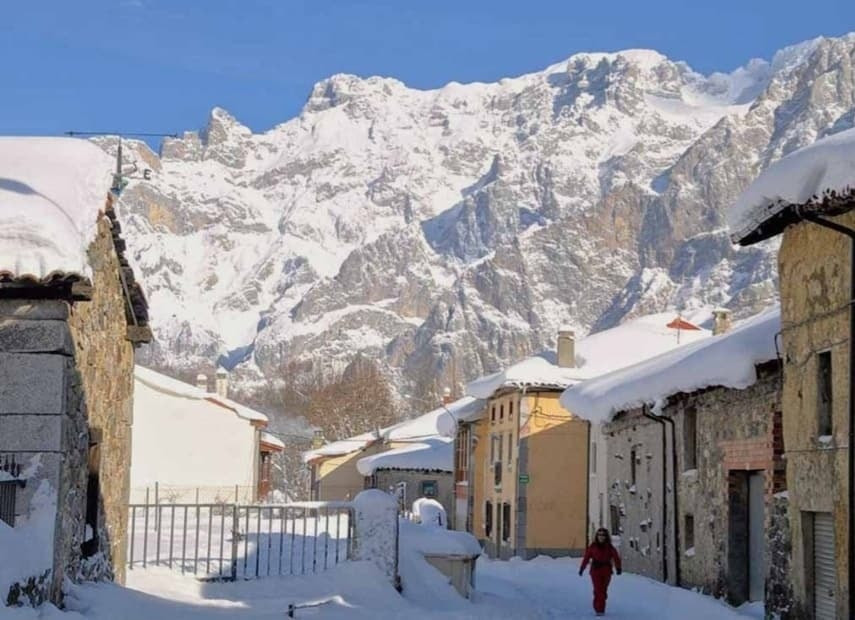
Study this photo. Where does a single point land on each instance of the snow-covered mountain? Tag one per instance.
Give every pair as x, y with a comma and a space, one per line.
446, 232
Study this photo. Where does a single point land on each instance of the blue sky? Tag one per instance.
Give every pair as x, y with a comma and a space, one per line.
161, 65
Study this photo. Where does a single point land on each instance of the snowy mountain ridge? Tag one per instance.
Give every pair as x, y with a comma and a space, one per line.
450, 231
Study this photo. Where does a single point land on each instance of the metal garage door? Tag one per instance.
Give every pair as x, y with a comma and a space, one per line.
824, 566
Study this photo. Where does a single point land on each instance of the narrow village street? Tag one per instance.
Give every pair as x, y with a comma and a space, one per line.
537, 589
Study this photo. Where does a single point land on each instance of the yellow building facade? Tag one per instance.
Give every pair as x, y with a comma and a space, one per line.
528, 476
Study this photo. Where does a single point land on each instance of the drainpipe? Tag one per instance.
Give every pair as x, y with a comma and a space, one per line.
843, 230
658, 420
588, 490
675, 497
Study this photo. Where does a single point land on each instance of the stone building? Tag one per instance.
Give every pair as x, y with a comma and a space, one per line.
695, 487
529, 473
71, 314
421, 469
798, 198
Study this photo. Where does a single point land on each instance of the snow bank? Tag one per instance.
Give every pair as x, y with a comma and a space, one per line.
27, 548
430, 455
812, 172
430, 513
51, 191
376, 530
727, 360
602, 352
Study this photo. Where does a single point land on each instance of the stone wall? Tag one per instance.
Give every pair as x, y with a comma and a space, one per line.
736, 435
386, 479
737, 432
105, 361
41, 428
814, 286
635, 509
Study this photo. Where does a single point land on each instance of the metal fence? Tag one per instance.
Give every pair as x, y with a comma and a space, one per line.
10, 481
231, 541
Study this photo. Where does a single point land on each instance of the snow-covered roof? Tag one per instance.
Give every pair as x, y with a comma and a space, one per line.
51, 191
727, 360
602, 352
436, 454
272, 440
816, 174
168, 385
440, 421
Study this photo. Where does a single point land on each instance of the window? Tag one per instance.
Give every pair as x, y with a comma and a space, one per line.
690, 439
93, 496
614, 520
632, 466
488, 519
493, 413
824, 392
493, 450
593, 457
461, 448
501, 446
428, 488
506, 522
510, 449
511, 410
501, 412
497, 474
688, 531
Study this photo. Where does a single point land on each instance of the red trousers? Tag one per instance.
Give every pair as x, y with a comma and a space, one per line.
600, 579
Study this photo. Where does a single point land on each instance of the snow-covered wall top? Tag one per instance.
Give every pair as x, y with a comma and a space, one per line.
599, 353
727, 360
810, 173
436, 454
51, 191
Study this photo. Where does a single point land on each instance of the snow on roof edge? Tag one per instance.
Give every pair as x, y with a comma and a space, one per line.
811, 174
727, 360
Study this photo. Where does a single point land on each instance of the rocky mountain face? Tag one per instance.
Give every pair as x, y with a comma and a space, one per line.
446, 232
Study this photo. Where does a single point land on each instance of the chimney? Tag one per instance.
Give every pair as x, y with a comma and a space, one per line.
721, 321
222, 383
566, 348
446, 396
202, 382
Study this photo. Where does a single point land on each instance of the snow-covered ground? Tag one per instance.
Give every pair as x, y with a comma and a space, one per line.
539, 588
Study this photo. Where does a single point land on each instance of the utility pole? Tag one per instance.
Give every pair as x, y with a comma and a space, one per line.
121, 177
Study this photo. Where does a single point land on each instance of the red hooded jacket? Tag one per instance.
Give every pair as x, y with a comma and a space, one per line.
601, 557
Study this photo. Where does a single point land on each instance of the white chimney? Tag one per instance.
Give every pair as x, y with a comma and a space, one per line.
721, 321
446, 396
566, 348
202, 382
222, 382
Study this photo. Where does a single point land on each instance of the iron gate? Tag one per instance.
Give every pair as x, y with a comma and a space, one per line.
231, 541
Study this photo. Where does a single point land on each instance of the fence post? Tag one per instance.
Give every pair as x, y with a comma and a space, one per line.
235, 534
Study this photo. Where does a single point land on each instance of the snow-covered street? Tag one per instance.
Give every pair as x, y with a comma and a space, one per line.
539, 588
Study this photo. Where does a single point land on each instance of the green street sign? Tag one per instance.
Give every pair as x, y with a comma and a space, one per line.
524, 479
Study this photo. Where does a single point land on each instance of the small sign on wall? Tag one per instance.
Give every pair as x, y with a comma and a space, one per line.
524, 479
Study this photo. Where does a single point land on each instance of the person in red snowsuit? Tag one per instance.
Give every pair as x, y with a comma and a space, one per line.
602, 556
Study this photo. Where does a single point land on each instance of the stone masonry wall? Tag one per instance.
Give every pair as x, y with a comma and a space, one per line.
735, 435
813, 264
42, 428
387, 478
105, 361
638, 507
